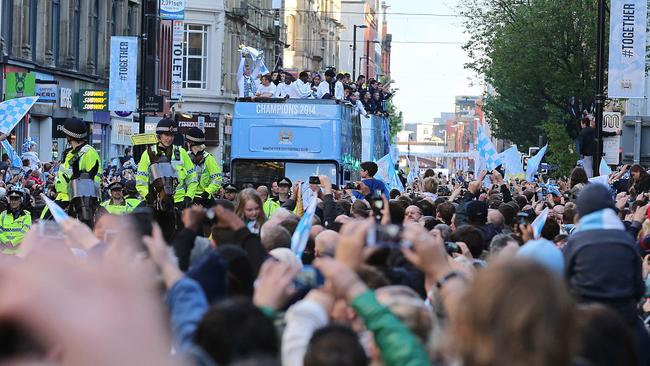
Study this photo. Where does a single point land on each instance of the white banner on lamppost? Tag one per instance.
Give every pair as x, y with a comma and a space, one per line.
123, 74
177, 60
627, 42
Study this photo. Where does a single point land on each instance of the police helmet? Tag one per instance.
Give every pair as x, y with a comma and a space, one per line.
284, 181
166, 125
230, 188
115, 186
75, 128
195, 136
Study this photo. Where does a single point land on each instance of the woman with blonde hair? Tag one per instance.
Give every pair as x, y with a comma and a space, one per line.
249, 209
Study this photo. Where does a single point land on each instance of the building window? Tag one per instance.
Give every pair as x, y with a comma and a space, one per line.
7, 25
33, 14
95, 33
195, 56
77, 31
113, 18
130, 20
56, 25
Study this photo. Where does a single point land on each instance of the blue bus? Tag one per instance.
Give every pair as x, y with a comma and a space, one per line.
297, 139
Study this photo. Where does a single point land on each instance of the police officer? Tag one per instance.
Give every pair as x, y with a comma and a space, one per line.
78, 159
284, 194
15, 222
230, 192
207, 169
117, 204
180, 160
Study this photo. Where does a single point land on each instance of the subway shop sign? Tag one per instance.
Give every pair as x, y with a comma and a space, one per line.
92, 100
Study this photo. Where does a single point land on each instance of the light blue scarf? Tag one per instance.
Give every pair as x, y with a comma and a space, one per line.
605, 219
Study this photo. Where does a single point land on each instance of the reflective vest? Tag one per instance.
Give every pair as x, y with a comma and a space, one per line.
87, 158
132, 203
270, 206
180, 160
118, 209
12, 231
209, 176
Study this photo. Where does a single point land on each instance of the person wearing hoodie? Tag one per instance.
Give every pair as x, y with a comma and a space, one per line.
477, 212
603, 264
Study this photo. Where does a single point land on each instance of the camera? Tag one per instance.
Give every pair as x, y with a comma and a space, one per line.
351, 185
314, 180
377, 205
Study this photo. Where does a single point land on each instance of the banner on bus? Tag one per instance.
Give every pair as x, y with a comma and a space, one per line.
627, 53
123, 74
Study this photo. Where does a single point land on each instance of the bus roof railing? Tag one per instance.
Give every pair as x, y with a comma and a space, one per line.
291, 101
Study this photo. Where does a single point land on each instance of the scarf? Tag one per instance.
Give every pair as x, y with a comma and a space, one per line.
605, 219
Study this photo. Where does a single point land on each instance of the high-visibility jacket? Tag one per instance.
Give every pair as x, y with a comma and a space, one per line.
270, 206
118, 209
132, 202
13, 230
180, 160
87, 158
209, 175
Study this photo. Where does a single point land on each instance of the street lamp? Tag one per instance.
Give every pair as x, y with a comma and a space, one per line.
354, 49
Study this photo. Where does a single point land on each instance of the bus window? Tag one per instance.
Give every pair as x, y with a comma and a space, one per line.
257, 172
302, 171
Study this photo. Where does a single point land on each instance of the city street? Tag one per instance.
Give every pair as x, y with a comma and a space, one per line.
324, 183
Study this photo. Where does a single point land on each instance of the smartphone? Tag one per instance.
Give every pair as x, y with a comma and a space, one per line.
308, 277
386, 236
452, 247
314, 180
49, 229
523, 218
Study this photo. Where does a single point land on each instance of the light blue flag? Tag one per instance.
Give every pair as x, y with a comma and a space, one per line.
512, 163
538, 224
534, 162
486, 151
13, 156
301, 235
12, 111
58, 213
384, 166
604, 168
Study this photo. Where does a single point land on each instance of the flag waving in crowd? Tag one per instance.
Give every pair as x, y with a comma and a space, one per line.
485, 151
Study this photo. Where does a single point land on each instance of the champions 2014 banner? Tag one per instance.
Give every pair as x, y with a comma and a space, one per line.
627, 48
124, 67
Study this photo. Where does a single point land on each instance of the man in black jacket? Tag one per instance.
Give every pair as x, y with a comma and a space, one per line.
603, 263
586, 142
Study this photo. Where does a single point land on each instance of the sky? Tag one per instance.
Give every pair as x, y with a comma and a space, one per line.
428, 76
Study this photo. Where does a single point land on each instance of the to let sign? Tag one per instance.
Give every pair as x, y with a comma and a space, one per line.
177, 61
93, 100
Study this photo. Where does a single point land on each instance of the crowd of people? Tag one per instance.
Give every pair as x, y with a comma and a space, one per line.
450, 271
368, 97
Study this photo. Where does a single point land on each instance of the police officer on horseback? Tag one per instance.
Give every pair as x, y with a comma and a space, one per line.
166, 178
77, 182
207, 169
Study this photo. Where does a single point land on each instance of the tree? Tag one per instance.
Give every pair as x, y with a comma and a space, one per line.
394, 119
538, 56
561, 152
